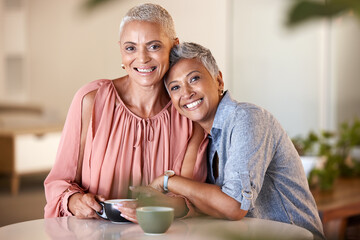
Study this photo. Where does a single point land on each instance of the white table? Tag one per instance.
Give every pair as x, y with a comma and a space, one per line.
204, 228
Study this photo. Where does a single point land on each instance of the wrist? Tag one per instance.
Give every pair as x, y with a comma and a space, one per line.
167, 175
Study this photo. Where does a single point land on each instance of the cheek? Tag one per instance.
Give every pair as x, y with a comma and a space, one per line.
175, 99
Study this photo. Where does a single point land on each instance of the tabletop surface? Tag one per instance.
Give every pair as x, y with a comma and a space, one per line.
342, 201
191, 228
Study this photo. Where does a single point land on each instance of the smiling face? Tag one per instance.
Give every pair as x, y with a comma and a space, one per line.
194, 92
145, 52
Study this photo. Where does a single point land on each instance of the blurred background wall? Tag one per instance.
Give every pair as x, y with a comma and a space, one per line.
308, 77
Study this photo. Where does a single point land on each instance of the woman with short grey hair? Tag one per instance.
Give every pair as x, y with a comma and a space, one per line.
126, 132
253, 167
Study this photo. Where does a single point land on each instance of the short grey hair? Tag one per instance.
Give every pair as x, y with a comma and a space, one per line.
150, 12
189, 50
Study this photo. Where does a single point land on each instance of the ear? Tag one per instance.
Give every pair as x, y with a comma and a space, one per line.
220, 81
176, 41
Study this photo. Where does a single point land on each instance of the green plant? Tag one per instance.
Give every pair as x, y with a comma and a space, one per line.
336, 147
314, 144
349, 138
322, 146
304, 10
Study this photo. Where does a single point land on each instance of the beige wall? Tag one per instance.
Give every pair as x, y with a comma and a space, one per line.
69, 48
307, 77
345, 50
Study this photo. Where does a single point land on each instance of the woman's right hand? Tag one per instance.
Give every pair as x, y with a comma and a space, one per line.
85, 205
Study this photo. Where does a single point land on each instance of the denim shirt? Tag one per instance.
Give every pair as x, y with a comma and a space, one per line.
259, 166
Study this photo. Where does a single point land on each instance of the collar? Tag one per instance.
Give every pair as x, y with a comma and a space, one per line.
225, 108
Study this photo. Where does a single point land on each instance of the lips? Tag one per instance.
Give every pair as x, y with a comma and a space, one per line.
145, 70
193, 104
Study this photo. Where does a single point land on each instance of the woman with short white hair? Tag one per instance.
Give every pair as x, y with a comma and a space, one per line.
125, 132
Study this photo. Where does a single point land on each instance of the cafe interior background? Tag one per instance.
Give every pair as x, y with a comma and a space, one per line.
307, 75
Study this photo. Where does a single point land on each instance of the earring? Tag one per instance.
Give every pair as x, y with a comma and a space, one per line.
122, 66
221, 92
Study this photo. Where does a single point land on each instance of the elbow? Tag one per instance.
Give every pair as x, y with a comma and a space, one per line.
235, 214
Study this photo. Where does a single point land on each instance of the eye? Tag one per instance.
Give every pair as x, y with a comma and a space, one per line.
154, 47
129, 48
174, 88
195, 78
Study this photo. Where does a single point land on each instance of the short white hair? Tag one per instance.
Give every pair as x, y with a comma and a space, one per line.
150, 12
190, 50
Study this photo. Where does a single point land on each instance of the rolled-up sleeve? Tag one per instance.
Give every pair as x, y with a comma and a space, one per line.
248, 155
238, 187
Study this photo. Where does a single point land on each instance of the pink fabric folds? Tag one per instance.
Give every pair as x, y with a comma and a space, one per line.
121, 149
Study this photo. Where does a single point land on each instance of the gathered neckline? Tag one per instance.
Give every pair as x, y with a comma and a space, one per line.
133, 114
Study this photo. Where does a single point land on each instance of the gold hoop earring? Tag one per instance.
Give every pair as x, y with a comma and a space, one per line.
122, 66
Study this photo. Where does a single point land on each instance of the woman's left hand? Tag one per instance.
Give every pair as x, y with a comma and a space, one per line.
158, 184
146, 196
128, 210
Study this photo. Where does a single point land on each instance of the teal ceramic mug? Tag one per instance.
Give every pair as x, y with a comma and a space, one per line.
155, 220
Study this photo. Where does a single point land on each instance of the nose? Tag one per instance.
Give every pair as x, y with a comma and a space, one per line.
143, 56
188, 92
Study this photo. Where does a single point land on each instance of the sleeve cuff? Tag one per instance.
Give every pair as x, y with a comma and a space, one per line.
240, 189
64, 210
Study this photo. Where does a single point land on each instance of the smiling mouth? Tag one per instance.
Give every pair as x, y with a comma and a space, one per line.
145, 70
193, 104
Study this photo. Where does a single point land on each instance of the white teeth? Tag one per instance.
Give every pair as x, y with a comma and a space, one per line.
146, 70
193, 104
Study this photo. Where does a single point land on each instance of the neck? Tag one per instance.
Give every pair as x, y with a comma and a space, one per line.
207, 126
208, 123
144, 101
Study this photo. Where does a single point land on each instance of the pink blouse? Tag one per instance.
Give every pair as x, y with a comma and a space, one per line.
121, 149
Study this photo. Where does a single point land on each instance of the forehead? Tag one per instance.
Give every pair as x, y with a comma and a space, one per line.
184, 67
142, 29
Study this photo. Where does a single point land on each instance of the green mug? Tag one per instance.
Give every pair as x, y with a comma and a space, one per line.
155, 220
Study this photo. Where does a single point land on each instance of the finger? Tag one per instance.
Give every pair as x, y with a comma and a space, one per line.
127, 211
136, 189
132, 219
90, 200
84, 212
128, 204
100, 198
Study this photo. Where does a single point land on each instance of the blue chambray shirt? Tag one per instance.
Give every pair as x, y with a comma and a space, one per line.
259, 166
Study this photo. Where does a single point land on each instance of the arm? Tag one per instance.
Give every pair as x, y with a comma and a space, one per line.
193, 158
65, 177
191, 154
84, 205
208, 198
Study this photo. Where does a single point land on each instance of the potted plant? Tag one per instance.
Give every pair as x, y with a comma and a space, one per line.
327, 156
348, 146
318, 158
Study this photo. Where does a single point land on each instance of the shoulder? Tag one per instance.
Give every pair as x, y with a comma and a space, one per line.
250, 111
249, 120
88, 91
92, 86
85, 95
179, 123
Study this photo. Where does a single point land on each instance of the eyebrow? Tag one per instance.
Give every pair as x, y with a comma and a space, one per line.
185, 76
148, 43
